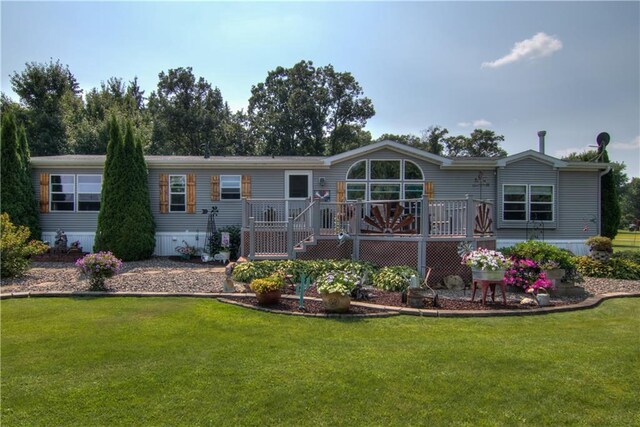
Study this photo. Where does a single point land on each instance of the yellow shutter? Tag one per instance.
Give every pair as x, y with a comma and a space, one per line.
44, 192
340, 191
215, 187
246, 186
191, 193
164, 192
428, 189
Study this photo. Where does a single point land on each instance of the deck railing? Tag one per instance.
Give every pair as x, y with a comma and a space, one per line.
291, 223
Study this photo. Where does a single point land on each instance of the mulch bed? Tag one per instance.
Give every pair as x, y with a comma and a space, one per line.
193, 260
391, 299
59, 257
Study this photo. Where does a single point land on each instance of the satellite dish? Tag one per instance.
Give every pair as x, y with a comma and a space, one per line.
603, 139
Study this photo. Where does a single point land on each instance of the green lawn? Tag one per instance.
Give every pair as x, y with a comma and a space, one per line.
182, 361
626, 240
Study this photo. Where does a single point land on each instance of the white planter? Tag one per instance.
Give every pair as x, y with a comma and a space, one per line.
496, 275
543, 300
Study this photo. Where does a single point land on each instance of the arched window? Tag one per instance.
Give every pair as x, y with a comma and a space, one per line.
384, 180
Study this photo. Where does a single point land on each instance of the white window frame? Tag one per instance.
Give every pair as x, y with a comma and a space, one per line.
400, 173
552, 203
309, 174
355, 182
78, 192
404, 172
525, 202
239, 187
172, 193
366, 171
51, 192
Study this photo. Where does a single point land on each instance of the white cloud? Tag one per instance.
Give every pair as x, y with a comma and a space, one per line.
537, 46
633, 145
480, 123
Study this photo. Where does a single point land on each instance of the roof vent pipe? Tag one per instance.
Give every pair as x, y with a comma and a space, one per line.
541, 136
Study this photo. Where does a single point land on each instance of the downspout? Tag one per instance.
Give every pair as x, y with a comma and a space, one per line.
606, 171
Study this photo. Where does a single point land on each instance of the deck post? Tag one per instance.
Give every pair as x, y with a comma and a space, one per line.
245, 209
470, 216
355, 233
315, 218
424, 220
290, 238
252, 238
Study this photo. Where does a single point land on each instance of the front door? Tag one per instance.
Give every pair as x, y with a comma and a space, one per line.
297, 189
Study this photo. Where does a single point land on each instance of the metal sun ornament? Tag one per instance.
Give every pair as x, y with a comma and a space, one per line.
480, 181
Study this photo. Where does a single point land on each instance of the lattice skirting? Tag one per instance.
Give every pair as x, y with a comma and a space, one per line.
444, 260
389, 253
327, 249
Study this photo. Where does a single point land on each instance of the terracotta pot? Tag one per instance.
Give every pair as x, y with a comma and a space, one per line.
336, 302
268, 298
487, 275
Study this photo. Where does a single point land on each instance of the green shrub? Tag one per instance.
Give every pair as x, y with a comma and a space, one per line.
15, 247
248, 271
541, 252
633, 256
599, 243
267, 284
394, 278
616, 268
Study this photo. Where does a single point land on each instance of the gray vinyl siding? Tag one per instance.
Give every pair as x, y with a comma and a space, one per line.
526, 172
448, 184
65, 221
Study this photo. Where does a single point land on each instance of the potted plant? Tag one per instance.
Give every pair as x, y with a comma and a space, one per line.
98, 267
186, 251
335, 288
486, 264
600, 248
268, 290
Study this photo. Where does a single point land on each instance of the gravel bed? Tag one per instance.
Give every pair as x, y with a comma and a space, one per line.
162, 274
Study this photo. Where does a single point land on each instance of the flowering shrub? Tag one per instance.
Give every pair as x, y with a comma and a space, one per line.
485, 259
527, 274
342, 282
98, 267
16, 248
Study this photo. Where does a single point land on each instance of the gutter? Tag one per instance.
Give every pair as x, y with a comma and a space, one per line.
606, 171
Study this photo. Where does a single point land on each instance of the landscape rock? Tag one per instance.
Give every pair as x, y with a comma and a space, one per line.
453, 283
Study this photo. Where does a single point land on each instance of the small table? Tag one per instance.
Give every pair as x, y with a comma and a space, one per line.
486, 284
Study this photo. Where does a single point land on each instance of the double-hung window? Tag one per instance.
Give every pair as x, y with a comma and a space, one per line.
63, 191
75, 193
89, 189
527, 203
230, 187
177, 193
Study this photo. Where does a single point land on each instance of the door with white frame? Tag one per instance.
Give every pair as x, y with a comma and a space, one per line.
298, 187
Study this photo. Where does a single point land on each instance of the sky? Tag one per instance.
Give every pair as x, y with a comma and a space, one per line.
570, 68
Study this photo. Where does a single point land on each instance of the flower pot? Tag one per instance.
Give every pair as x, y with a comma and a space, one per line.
555, 274
416, 297
268, 298
496, 275
335, 302
543, 300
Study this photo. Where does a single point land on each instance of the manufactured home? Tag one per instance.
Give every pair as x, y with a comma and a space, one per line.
387, 203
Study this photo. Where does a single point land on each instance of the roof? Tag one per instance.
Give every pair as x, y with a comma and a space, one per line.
319, 162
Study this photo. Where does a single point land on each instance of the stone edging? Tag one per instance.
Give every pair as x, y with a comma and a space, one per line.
386, 311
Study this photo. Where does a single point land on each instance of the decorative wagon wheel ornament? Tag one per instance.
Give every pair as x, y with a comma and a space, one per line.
465, 247
389, 223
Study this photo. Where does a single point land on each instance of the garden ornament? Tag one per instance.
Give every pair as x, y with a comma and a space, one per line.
305, 283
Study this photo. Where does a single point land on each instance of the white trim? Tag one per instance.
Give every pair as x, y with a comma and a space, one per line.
288, 173
531, 154
404, 171
51, 193
239, 187
78, 192
366, 171
185, 193
405, 149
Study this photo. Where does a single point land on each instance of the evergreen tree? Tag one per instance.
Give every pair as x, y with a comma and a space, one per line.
17, 197
109, 217
125, 222
609, 203
136, 238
